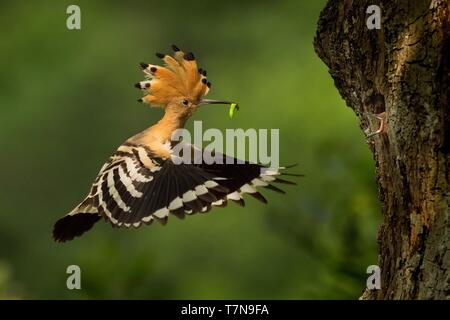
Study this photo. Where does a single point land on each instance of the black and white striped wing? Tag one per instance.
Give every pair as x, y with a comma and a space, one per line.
132, 192
176, 189
135, 188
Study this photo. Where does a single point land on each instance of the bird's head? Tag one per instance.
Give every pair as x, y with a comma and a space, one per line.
178, 86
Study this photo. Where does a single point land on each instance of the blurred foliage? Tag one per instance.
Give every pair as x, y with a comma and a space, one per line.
67, 101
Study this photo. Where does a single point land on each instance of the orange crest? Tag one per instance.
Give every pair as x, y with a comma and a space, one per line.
179, 78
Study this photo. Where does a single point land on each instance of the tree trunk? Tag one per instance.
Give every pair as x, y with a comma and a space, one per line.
402, 69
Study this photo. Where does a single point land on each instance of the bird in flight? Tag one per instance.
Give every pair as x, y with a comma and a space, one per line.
140, 183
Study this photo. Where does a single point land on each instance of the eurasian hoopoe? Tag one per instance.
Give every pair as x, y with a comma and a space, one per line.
140, 183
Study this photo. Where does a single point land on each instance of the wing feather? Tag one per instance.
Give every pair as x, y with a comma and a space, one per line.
134, 187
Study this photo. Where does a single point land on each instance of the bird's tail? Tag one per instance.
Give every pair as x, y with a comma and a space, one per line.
71, 226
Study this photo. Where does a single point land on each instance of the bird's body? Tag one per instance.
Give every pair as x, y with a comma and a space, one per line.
140, 183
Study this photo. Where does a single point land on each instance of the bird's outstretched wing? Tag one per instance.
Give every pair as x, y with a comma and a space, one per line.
134, 187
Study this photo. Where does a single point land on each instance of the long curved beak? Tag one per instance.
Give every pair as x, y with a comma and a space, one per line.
209, 101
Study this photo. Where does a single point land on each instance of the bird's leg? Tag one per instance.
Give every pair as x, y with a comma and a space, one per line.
383, 124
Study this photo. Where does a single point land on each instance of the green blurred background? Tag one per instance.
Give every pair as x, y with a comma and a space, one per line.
67, 101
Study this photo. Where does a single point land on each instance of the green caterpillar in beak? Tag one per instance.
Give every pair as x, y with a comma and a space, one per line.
233, 108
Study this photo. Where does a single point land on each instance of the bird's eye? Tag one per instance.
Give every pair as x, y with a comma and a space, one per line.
185, 102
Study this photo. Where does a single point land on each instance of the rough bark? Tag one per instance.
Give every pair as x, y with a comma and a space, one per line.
402, 69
